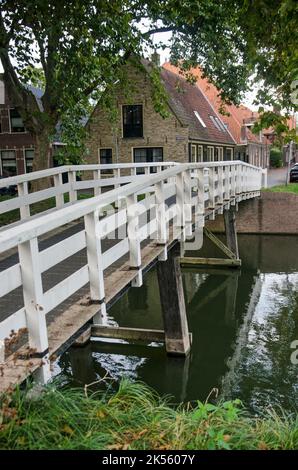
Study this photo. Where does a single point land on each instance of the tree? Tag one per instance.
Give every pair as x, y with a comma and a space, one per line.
80, 47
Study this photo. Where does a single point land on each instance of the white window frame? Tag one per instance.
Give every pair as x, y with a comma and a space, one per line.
8, 150
193, 146
212, 153
232, 153
24, 153
200, 151
104, 172
219, 154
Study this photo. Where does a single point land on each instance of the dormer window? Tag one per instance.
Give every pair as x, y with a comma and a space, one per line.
199, 118
132, 120
16, 122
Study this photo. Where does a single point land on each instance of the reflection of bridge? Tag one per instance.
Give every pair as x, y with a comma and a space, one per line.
108, 240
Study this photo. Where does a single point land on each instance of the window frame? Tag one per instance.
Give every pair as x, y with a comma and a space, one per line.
1, 160
232, 153
105, 172
139, 171
134, 136
210, 147
12, 131
25, 158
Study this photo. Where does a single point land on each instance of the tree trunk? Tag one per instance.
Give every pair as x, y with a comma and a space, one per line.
42, 158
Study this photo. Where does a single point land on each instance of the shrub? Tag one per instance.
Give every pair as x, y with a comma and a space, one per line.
275, 157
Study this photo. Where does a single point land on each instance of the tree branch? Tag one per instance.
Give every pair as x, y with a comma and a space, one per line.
164, 29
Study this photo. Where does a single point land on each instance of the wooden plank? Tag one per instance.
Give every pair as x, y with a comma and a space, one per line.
129, 334
226, 250
193, 261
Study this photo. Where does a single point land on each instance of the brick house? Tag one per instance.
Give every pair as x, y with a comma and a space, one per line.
193, 131
17, 144
251, 148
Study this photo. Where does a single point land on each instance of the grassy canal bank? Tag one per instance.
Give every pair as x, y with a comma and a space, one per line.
134, 417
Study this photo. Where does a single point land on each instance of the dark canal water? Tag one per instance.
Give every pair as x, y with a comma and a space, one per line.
243, 323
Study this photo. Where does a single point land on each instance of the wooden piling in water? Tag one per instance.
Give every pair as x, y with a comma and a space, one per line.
173, 306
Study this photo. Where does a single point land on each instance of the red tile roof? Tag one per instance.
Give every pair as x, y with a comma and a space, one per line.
237, 115
185, 98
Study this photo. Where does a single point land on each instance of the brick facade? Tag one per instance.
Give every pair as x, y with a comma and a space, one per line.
173, 134
167, 133
18, 142
272, 213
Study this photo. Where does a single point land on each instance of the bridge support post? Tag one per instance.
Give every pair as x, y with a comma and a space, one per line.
230, 228
173, 306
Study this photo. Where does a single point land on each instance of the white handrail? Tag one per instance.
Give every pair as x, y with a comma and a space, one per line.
205, 187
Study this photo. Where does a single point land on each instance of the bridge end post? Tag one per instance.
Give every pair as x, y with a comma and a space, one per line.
177, 338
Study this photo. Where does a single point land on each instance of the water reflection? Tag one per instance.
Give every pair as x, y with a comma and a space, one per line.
243, 323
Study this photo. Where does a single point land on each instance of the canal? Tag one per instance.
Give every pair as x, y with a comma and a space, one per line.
243, 323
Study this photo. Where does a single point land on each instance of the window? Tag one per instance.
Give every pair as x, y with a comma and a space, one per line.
210, 154
8, 163
16, 122
147, 155
106, 158
199, 118
219, 154
29, 156
132, 121
193, 153
200, 153
229, 153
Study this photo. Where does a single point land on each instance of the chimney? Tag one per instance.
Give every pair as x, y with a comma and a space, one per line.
155, 59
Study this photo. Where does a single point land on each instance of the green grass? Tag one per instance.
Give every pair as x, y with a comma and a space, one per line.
290, 188
134, 417
36, 208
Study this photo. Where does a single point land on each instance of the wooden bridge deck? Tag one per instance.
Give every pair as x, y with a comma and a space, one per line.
65, 321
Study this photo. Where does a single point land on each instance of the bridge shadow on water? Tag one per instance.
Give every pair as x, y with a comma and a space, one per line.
243, 323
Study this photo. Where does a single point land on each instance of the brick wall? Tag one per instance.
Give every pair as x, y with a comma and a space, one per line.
275, 213
158, 132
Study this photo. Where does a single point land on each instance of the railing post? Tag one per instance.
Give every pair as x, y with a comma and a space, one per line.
211, 191
58, 184
233, 185
227, 186
73, 194
134, 239
96, 176
220, 188
95, 265
33, 303
162, 235
188, 202
180, 220
117, 174
200, 206
23, 191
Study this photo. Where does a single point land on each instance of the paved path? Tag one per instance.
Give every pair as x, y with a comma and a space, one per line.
276, 176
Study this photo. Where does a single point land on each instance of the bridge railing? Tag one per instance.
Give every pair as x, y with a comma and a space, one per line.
65, 182
154, 208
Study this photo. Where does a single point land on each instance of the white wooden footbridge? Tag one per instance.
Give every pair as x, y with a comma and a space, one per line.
62, 268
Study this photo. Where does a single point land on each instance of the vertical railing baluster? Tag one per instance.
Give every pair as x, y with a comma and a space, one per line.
29, 259
23, 191
58, 185
72, 178
180, 217
135, 260
95, 265
96, 177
